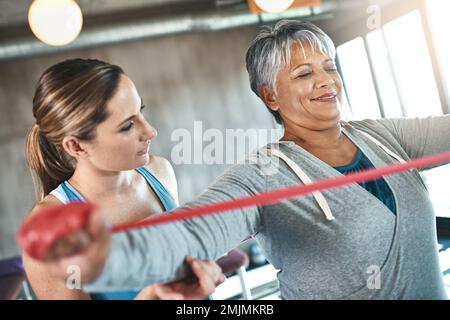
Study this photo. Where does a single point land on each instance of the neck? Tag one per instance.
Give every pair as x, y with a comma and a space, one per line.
311, 139
91, 180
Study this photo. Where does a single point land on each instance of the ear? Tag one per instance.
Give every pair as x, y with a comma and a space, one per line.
269, 97
73, 146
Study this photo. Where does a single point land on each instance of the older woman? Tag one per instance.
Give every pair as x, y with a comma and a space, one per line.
327, 246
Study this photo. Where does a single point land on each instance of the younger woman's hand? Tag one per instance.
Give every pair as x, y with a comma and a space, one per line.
93, 247
209, 275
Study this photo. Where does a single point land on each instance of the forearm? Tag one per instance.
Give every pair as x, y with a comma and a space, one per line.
134, 264
152, 255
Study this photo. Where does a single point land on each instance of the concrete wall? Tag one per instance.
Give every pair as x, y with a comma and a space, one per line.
184, 78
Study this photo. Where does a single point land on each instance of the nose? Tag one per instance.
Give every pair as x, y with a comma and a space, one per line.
148, 132
324, 79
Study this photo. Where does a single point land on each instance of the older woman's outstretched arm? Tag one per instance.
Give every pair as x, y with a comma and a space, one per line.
418, 137
152, 255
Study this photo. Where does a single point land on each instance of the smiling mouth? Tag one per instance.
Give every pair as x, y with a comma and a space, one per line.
326, 98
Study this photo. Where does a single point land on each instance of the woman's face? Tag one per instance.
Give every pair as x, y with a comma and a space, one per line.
122, 140
309, 90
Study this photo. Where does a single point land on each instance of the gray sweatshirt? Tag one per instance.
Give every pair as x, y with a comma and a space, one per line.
317, 258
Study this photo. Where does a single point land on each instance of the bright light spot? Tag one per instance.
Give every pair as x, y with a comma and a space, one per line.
55, 22
272, 6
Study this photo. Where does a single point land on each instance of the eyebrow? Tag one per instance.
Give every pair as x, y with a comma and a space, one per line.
131, 117
309, 64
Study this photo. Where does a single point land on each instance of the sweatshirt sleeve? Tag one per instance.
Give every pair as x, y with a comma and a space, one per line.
421, 137
417, 137
156, 254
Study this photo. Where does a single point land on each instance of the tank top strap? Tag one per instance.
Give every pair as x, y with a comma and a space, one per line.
160, 190
72, 193
66, 193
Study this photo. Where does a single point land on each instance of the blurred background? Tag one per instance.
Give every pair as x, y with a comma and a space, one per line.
186, 58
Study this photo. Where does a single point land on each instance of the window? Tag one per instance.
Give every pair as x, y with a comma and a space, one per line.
403, 80
384, 76
437, 182
412, 65
358, 80
402, 71
437, 179
440, 24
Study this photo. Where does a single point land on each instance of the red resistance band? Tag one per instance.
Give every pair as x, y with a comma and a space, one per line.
41, 230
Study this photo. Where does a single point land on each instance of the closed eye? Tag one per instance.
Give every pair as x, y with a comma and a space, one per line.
131, 123
128, 127
304, 75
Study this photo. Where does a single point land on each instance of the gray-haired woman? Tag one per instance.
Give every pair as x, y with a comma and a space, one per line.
375, 240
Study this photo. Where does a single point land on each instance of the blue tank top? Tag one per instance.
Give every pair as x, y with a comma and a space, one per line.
161, 192
379, 188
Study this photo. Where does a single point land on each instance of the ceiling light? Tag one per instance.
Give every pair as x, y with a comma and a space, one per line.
55, 22
274, 6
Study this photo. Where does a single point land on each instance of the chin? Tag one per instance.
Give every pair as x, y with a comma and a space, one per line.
334, 116
142, 160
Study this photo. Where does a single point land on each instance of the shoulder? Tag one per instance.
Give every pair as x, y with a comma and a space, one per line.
159, 165
163, 170
386, 128
372, 124
48, 201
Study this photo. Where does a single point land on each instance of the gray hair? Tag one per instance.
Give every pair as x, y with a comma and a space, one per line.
271, 49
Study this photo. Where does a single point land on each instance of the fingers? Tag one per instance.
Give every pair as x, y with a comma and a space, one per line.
92, 256
165, 292
69, 245
213, 269
205, 280
67, 236
40, 231
208, 273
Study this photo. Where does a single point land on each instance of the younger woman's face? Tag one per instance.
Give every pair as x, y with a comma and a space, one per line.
122, 141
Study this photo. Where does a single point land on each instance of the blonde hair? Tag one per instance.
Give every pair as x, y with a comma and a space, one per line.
70, 99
